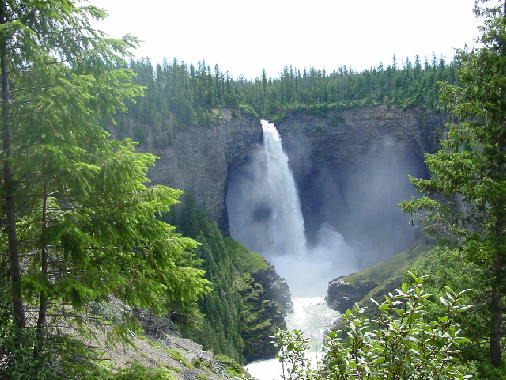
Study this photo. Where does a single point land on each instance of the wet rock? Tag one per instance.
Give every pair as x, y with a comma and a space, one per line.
342, 295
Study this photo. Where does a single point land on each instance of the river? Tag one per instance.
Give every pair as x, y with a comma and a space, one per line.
314, 318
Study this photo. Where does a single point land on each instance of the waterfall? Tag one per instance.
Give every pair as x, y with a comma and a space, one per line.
265, 215
285, 224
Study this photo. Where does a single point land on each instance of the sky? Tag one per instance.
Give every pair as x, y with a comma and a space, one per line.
246, 36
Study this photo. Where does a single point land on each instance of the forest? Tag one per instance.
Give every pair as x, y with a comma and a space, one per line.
92, 251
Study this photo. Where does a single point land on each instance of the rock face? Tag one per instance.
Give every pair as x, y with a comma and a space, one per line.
351, 169
198, 159
342, 295
275, 288
325, 152
374, 282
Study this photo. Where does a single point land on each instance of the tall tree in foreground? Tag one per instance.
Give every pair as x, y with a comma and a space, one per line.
79, 222
470, 170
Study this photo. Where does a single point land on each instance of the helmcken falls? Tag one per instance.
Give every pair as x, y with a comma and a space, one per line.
265, 215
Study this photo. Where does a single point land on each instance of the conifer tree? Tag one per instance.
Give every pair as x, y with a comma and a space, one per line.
470, 170
80, 223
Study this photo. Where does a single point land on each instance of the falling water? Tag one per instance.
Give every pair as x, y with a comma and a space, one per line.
265, 215
285, 226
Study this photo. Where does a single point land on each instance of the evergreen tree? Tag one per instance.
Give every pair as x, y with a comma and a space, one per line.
80, 224
471, 169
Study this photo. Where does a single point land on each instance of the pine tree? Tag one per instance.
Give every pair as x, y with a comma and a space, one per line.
471, 169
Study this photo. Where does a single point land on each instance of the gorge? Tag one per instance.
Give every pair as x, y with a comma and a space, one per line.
349, 171
350, 168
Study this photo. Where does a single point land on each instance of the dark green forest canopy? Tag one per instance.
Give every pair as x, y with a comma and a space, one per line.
179, 94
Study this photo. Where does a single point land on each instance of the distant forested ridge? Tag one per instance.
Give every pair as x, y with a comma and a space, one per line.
179, 94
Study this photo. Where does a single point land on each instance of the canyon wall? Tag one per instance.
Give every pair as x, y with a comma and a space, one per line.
350, 166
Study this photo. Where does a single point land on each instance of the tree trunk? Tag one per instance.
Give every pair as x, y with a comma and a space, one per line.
496, 317
43, 302
8, 184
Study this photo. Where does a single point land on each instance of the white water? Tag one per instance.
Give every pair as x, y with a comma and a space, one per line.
314, 318
285, 227
265, 215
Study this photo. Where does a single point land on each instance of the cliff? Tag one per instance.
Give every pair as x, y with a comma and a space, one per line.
201, 159
198, 159
352, 169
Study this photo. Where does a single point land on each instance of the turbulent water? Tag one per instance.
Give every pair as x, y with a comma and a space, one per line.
265, 215
313, 317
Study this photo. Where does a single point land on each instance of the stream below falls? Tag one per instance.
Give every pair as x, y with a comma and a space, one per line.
314, 318
265, 215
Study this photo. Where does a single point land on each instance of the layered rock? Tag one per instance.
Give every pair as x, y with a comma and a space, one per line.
198, 159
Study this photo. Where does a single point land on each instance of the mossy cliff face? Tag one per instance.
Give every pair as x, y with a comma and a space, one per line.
265, 301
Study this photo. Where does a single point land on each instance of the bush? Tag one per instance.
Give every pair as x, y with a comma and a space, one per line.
399, 344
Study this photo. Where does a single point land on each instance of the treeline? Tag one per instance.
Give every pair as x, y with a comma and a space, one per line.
178, 94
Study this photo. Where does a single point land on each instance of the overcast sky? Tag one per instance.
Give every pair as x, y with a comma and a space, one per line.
244, 36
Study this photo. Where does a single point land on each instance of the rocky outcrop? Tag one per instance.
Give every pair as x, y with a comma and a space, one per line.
179, 357
374, 282
342, 295
275, 288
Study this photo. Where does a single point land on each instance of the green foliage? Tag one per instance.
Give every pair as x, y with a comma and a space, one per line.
292, 348
188, 95
238, 316
176, 355
248, 110
465, 197
446, 267
138, 372
232, 367
221, 329
83, 224
401, 343
134, 371
388, 268
243, 259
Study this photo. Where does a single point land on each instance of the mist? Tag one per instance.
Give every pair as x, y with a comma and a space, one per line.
265, 215
360, 200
